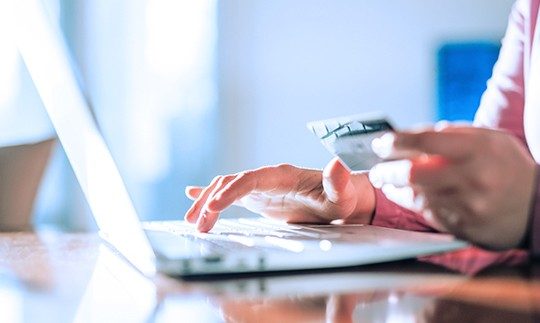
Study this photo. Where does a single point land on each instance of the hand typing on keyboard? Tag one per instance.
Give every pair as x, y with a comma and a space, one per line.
286, 192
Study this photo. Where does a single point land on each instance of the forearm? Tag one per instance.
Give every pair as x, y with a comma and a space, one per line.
21, 169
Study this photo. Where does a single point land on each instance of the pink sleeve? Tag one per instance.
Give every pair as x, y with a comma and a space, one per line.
389, 214
503, 101
502, 105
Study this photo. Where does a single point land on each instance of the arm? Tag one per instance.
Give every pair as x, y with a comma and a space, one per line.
501, 106
21, 168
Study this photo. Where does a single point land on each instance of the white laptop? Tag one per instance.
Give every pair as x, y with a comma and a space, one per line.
175, 247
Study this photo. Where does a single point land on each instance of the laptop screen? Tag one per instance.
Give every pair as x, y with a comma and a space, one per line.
47, 59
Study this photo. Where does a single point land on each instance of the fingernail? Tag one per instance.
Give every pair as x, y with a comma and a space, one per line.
384, 145
201, 222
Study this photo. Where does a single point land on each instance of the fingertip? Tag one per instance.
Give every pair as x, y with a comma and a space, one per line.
384, 146
395, 172
206, 221
192, 192
190, 216
190, 219
336, 175
334, 167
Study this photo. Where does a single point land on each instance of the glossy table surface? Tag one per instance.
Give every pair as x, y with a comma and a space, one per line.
54, 277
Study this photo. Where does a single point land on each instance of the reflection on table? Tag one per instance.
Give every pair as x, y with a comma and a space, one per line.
65, 278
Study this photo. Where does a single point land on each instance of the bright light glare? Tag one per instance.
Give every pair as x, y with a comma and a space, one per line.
325, 245
44, 53
292, 245
9, 60
114, 284
179, 36
11, 304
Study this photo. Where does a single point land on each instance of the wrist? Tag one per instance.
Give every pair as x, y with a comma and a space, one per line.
365, 199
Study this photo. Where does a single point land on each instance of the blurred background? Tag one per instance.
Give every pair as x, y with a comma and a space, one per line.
185, 90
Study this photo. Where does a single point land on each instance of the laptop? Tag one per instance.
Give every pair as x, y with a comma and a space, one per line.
175, 247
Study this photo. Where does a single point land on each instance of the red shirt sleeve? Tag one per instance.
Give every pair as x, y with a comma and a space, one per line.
389, 214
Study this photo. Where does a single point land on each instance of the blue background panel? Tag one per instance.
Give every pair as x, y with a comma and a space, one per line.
463, 69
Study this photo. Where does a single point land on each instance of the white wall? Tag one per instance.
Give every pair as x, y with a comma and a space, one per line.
282, 63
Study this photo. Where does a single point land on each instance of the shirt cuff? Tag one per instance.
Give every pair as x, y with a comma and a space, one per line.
391, 215
535, 218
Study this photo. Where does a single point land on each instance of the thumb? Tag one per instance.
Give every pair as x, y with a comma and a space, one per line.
336, 179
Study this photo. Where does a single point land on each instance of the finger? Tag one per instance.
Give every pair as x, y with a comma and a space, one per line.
336, 181
395, 172
455, 145
227, 196
446, 210
403, 196
194, 211
271, 178
207, 218
434, 173
384, 148
192, 192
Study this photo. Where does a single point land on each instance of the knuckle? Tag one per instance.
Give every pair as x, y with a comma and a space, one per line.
216, 179
486, 141
485, 180
284, 167
478, 207
420, 140
224, 179
243, 176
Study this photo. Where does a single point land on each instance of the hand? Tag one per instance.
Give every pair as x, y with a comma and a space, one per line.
477, 183
286, 192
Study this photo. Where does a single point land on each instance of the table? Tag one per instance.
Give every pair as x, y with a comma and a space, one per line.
59, 277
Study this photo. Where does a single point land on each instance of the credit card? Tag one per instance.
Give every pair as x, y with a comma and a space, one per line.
350, 137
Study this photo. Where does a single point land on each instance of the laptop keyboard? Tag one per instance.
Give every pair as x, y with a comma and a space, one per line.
236, 235
268, 235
